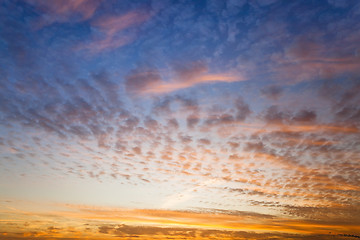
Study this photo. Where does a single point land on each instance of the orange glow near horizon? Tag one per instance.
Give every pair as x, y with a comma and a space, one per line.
79, 221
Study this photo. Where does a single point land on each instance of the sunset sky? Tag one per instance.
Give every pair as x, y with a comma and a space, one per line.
179, 119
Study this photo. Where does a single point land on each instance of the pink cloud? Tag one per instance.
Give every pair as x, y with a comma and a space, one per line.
177, 84
139, 82
112, 29
306, 60
65, 10
114, 24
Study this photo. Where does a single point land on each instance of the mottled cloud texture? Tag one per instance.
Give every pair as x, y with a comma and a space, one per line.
179, 119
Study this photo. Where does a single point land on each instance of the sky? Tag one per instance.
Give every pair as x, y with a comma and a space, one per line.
179, 119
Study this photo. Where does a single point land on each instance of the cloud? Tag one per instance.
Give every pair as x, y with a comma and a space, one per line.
271, 50
308, 59
272, 92
149, 81
115, 31
220, 119
234, 113
186, 195
173, 123
192, 120
166, 87
139, 80
242, 109
305, 116
266, 2
78, 108
64, 11
204, 141
274, 115
342, 4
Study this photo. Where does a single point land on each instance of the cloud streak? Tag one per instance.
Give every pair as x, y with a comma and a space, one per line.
151, 81
116, 31
65, 11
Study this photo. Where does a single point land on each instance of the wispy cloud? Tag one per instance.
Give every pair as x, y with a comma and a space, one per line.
172, 201
65, 10
152, 81
115, 31
306, 60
